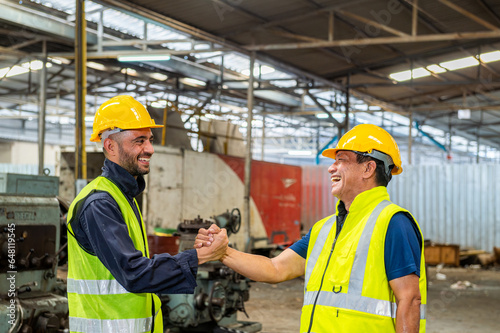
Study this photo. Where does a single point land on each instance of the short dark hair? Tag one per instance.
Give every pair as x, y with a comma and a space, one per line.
381, 178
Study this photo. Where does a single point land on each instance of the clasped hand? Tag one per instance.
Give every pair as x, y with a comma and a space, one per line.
211, 244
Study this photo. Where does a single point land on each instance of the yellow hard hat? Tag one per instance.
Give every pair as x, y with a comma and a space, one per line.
370, 140
122, 112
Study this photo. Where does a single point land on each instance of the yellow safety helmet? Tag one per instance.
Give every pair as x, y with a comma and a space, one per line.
122, 112
370, 140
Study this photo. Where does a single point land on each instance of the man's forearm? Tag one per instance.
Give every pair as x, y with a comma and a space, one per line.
408, 316
257, 268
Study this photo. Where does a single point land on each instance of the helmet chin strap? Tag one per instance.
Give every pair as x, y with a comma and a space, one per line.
386, 159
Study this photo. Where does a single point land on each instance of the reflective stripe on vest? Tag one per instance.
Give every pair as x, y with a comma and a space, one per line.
357, 303
95, 287
352, 300
111, 326
316, 251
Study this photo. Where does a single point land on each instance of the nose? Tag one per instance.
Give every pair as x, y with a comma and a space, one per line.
148, 148
332, 168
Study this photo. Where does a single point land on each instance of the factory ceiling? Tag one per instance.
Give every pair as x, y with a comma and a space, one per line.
314, 60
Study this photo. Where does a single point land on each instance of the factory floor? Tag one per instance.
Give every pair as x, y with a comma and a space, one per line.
454, 306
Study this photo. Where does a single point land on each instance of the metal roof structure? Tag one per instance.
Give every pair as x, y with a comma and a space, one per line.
429, 69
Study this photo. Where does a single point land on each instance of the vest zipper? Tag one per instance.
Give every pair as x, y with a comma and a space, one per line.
321, 284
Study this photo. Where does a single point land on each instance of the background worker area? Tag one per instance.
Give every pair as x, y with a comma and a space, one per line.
111, 279
364, 266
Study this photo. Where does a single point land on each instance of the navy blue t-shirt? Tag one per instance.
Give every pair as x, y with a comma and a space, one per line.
403, 245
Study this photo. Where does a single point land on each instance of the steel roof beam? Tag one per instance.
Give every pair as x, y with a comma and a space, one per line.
22, 16
376, 41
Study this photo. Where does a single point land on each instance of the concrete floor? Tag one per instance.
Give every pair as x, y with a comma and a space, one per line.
475, 309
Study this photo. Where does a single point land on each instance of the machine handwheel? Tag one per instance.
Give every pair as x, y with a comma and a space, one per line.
217, 302
236, 217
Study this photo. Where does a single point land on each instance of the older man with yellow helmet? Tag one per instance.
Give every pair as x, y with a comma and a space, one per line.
364, 266
112, 280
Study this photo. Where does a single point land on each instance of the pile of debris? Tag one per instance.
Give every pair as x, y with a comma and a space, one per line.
453, 255
480, 257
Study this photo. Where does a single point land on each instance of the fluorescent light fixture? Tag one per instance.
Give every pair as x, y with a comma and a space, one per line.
459, 63
96, 65
158, 76
436, 69
464, 114
490, 56
300, 152
152, 57
321, 115
406, 75
193, 82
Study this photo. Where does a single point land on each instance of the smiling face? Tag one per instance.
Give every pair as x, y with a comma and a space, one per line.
349, 178
132, 150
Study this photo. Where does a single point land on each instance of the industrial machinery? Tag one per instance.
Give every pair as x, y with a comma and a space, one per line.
31, 297
220, 294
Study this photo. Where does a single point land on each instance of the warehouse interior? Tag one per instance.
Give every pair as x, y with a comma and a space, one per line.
261, 88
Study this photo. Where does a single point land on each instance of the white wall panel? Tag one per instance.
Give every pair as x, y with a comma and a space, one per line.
456, 204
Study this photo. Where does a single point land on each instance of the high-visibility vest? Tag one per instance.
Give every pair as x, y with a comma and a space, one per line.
96, 301
346, 290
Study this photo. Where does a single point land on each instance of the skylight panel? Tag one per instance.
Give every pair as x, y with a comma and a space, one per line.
406, 75
459, 63
436, 69
490, 56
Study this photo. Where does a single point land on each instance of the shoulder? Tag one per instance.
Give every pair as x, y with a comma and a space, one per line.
98, 199
403, 226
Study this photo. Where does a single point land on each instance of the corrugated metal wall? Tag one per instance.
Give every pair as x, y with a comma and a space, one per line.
26, 169
457, 204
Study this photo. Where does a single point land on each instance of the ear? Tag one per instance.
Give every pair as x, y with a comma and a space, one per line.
370, 169
111, 147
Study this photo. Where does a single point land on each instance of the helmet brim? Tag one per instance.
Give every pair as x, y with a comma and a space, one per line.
332, 152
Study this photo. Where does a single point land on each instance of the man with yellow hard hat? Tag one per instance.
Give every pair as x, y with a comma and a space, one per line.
364, 266
111, 279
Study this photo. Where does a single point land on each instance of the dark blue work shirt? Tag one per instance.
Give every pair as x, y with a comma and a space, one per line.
403, 245
102, 231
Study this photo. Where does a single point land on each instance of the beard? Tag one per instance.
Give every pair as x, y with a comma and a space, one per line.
131, 163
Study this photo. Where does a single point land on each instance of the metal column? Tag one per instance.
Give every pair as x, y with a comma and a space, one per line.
80, 90
410, 138
42, 109
248, 155
263, 136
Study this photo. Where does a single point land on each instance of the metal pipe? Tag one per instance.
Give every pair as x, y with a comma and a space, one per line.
42, 110
100, 32
248, 155
410, 139
347, 103
263, 136
80, 91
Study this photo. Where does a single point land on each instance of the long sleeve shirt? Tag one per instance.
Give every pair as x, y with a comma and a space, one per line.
101, 230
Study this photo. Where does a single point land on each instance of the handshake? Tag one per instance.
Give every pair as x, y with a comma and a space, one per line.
211, 244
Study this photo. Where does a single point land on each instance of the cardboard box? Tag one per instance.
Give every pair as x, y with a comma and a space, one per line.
447, 254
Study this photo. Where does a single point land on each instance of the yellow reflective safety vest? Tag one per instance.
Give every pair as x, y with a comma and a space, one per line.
96, 301
346, 286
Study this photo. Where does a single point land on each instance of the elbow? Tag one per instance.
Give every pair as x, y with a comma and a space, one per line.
131, 286
416, 301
